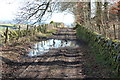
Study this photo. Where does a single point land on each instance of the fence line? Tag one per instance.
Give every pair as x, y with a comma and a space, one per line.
25, 32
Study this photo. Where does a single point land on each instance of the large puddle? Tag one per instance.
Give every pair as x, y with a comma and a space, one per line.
44, 46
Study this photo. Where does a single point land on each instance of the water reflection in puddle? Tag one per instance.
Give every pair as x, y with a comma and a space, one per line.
44, 46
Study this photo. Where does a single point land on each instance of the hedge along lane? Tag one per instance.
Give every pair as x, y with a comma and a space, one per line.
106, 47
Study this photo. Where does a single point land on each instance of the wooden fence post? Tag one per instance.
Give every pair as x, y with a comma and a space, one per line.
40, 28
56, 25
27, 27
6, 34
19, 32
34, 30
44, 28
27, 30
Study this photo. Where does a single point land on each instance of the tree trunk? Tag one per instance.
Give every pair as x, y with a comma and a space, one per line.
80, 13
114, 31
89, 14
105, 18
119, 21
98, 15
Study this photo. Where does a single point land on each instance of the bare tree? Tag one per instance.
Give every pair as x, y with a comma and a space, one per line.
35, 10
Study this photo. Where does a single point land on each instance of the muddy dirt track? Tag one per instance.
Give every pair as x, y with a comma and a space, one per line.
67, 62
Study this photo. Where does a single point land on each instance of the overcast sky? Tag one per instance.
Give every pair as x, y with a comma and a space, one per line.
9, 9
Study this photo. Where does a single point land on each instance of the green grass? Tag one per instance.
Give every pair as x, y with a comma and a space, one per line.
52, 31
101, 60
9, 25
6, 24
2, 29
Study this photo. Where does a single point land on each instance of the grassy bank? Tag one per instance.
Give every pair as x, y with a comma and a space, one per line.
106, 51
9, 35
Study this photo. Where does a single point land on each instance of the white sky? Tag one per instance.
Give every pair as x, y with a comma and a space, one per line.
9, 8
64, 17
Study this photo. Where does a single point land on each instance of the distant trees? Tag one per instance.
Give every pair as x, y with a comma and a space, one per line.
104, 20
116, 10
100, 16
51, 22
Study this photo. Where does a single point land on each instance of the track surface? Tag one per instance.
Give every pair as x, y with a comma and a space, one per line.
67, 62
64, 62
